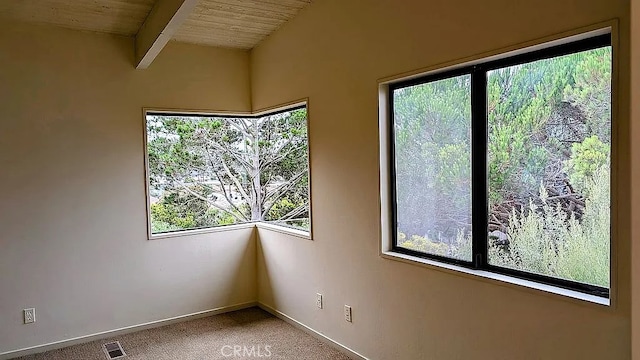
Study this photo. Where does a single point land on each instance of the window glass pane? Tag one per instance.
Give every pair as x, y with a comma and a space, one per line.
549, 166
210, 171
285, 168
432, 139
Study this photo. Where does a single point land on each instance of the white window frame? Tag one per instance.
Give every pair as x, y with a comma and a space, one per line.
294, 232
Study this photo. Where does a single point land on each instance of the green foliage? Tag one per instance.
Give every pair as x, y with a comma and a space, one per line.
586, 158
281, 208
183, 212
549, 124
591, 91
167, 213
160, 227
463, 248
453, 171
284, 161
550, 241
585, 256
423, 244
209, 171
432, 146
533, 239
522, 101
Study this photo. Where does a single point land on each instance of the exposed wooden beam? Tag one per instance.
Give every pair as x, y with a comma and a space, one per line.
163, 21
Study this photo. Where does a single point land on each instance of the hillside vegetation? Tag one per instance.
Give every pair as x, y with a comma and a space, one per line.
549, 151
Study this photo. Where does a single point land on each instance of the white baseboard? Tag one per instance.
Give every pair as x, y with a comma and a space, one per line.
121, 331
336, 345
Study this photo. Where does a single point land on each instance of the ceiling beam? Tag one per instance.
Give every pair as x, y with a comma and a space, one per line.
163, 21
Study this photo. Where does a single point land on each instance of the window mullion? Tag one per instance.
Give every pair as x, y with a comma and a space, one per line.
479, 190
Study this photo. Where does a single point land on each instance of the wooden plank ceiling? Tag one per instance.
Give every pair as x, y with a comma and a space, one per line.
236, 23
223, 23
123, 17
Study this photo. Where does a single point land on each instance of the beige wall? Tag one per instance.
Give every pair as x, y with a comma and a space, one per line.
72, 214
334, 52
72, 202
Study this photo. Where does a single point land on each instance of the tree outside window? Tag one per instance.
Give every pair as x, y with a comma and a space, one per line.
207, 171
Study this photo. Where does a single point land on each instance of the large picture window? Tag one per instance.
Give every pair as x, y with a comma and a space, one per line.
505, 166
206, 171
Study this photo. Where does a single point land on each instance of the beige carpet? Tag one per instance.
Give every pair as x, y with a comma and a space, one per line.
214, 337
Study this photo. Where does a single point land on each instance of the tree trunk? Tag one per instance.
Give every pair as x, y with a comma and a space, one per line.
256, 207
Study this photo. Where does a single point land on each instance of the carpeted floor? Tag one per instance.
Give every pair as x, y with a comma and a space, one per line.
224, 336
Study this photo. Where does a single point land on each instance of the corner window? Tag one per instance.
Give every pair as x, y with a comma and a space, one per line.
505, 166
208, 171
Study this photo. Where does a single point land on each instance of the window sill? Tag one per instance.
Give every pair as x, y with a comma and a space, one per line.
284, 230
194, 232
499, 279
259, 225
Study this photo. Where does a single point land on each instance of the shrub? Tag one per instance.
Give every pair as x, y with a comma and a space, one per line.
585, 255
160, 227
549, 240
586, 158
423, 244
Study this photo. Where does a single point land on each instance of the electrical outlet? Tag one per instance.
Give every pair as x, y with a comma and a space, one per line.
347, 313
319, 300
29, 315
